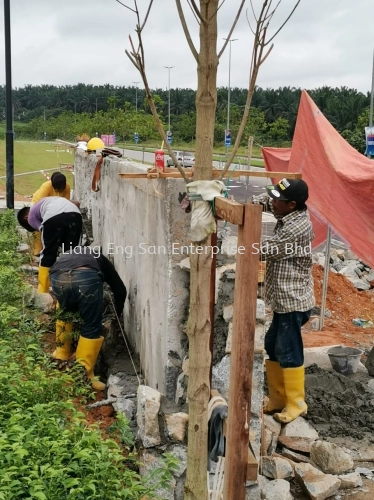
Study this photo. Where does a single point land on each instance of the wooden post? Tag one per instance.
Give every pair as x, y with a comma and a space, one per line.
242, 354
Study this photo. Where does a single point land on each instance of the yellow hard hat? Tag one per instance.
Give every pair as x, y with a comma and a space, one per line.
94, 144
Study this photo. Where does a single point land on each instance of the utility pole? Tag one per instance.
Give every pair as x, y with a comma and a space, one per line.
229, 91
9, 134
169, 68
96, 105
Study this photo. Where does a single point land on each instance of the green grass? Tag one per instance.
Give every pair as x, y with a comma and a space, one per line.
33, 156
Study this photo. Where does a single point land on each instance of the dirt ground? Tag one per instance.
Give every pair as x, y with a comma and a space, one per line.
345, 303
17, 197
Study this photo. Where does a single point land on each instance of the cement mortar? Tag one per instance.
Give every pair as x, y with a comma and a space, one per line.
338, 405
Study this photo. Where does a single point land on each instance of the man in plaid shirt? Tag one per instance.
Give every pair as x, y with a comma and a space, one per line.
289, 291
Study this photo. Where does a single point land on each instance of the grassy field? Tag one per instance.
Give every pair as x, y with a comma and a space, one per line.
33, 157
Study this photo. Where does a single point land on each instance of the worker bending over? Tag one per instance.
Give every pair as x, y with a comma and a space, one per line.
290, 292
57, 186
77, 282
60, 224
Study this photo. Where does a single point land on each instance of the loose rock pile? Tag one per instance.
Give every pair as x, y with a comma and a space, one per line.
343, 261
295, 452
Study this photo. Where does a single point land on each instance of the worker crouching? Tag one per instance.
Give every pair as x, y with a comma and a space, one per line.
77, 282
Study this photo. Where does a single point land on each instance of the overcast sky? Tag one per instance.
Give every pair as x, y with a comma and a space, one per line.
64, 42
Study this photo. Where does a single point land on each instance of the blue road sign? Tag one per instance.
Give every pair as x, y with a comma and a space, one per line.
169, 136
227, 137
136, 137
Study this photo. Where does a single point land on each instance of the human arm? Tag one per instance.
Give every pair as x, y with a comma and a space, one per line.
264, 200
115, 283
293, 236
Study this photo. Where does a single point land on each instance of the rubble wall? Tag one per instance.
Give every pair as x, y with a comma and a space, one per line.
143, 219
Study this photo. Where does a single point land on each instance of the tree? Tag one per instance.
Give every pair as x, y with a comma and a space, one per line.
199, 323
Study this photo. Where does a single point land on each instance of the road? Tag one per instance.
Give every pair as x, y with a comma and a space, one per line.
242, 189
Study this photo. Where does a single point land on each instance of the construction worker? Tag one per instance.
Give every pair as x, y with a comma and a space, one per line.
77, 282
60, 223
289, 291
56, 186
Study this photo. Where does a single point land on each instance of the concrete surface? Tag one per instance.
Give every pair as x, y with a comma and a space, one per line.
137, 215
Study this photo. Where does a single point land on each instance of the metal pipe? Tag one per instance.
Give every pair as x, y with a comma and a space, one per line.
325, 278
9, 134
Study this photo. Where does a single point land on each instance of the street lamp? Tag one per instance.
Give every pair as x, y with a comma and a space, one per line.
169, 68
229, 91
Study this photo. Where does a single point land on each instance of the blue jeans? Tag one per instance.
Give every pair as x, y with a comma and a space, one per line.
283, 341
81, 290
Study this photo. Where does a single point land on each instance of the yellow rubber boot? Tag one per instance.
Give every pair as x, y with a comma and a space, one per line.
37, 243
86, 355
43, 278
277, 398
294, 380
63, 340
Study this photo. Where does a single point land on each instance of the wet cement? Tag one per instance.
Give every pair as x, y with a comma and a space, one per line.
339, 405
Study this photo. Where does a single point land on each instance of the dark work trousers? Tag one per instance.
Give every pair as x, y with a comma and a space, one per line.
283, 341
63, 230
81, 290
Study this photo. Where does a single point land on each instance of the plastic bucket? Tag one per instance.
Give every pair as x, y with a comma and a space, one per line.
345, 360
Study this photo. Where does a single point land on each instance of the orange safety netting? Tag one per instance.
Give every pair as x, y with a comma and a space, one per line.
340, 179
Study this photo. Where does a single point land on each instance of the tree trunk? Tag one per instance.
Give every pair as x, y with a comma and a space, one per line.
199, 323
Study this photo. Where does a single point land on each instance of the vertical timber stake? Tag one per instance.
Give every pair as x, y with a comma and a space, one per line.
242, 354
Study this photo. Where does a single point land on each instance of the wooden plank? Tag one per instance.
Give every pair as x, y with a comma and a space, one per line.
216, 175
242, 355
252, 467
229, 210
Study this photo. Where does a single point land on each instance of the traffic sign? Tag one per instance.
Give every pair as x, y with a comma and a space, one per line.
169, 136
136, 137
227, 137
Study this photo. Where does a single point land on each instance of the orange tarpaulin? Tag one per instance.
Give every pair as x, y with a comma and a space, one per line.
340, 179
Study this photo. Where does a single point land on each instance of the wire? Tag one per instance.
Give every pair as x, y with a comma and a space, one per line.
125, 339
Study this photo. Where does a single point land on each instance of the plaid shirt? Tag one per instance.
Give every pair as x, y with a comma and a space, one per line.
288, 254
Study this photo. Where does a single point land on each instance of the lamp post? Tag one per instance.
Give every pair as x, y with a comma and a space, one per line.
229, 91
9, 134
169, 68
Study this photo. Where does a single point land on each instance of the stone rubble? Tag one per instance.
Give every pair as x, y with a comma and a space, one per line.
330, 458
344, 261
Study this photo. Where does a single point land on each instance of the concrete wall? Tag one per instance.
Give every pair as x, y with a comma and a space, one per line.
139, 215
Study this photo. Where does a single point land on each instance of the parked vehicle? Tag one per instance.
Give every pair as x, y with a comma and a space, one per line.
185, 159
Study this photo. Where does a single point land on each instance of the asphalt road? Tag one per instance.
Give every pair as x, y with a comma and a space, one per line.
242, 188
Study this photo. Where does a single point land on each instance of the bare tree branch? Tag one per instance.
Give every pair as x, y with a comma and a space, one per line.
253, 11
276, 33
194, 13
249, 22
186, 31
196, 10
147, 14
132, 10
232, 29
137, 58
